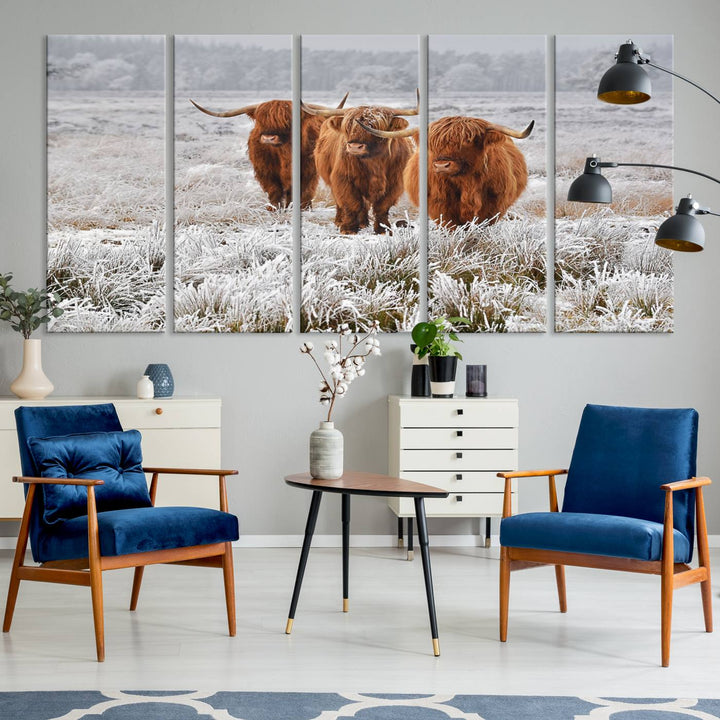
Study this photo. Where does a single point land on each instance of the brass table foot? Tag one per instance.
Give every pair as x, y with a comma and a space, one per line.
288, 627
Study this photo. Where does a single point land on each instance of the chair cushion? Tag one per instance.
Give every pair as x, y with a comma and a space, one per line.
623, 454
114, 457
592, 534
137, 530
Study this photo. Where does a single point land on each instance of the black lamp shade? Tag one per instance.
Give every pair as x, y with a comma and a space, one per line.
684, 233
590, 187
625, 83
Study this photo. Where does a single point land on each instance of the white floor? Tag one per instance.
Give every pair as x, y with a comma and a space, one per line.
607, 644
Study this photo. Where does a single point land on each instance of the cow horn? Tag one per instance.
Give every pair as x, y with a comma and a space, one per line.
229, 113
409, 111
324, 111
513, 133
405, 132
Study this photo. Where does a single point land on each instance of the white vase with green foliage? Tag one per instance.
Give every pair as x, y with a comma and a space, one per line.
26, 312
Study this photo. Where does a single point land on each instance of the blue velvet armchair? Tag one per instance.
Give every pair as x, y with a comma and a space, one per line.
631, 503
88, 509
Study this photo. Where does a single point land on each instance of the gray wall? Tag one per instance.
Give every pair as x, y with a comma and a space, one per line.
268, 388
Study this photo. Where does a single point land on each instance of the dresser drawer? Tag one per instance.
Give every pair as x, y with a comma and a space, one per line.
168, 413
459, 438
455, 505
458, 461
459, 482
459, 413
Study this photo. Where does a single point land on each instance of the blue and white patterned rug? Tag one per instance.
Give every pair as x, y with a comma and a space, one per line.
189, 705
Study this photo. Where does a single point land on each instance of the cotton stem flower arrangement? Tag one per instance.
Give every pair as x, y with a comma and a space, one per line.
346, 359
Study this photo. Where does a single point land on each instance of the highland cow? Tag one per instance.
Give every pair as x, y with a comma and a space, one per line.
270, 148
475, 171
362, 171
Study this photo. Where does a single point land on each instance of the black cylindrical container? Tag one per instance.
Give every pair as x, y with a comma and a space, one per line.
420, 378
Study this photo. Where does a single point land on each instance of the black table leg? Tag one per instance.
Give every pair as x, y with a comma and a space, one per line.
425, 553
400, 532
309, 530
487, 532
410, 552
346, 548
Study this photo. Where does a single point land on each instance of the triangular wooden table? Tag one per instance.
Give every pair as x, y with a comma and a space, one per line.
361, 483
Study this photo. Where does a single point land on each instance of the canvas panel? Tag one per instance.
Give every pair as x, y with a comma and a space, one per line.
487, 241
609, 274
106, 181
233, 224
360, 261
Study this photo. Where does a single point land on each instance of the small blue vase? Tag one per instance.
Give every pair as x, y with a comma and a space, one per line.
162, 379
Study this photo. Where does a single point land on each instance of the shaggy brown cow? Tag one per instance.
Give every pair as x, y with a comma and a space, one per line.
361, 170
475, 171
270, 148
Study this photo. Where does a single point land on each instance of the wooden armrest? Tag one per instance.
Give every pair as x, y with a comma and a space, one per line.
531, 473
57, 481
187, 471
686, 484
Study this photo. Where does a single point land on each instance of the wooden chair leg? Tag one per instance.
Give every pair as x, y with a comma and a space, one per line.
504, 591
666, 581
229, 578
96, 588
18, 560
704, 559
137, 581
560, 580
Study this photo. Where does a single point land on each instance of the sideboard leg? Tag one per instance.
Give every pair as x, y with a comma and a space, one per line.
410, 532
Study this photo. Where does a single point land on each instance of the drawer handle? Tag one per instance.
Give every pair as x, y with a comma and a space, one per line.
458, 456
458, 433
459, 411
458, 476
158, 411
458, 498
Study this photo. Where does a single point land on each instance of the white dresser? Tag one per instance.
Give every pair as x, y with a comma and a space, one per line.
176, 432
458, 444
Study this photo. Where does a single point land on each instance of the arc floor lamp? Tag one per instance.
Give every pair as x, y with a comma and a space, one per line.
627, 83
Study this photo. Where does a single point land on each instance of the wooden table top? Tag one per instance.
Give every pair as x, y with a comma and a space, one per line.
363, 483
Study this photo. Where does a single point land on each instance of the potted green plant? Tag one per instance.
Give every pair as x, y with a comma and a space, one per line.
435, 339
26, 312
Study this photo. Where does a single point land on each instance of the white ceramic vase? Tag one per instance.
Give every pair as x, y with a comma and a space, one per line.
326, 452
32, 383
145, 388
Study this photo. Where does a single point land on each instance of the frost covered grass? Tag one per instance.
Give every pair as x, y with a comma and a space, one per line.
108, 281
106, 199
357, 279
492, 274
611, 277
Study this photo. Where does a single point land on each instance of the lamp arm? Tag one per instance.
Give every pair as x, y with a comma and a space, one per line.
653, 165
682, 77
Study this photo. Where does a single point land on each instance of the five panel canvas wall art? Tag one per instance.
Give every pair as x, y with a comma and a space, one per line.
374, 158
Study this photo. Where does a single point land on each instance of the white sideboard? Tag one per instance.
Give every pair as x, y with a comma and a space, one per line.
458, 444
176, 432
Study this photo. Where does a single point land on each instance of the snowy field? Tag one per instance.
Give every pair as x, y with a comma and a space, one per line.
106, 210
233, 256
609, 274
